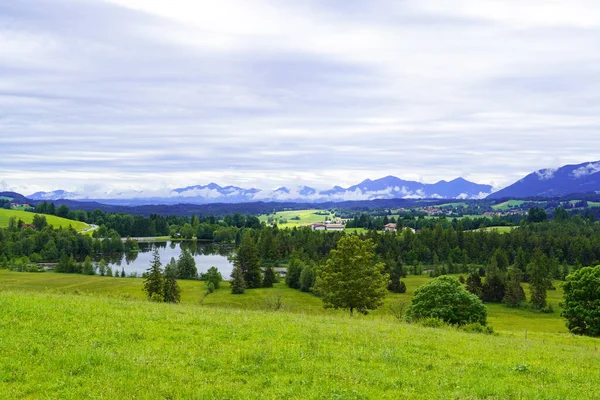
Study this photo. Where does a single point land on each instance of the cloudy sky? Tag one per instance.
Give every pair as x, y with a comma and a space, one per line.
139, 94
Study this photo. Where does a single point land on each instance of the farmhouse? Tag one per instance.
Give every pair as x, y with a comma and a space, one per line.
390, 228
327, 227
334, 227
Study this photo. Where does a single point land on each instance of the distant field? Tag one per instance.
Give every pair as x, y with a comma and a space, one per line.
89, 346
356, 230
456, 204
500, 229
507, 205
27, 217
307, 217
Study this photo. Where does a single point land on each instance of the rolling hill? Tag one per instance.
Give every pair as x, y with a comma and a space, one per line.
27, 217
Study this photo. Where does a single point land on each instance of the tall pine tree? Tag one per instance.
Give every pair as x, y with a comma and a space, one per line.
238, 285
539, 279
153, 284
171, 289
247, 259
514, 294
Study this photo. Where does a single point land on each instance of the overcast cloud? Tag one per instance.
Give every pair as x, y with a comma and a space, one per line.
137, 94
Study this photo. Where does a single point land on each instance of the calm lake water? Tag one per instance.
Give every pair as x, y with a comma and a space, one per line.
206, 256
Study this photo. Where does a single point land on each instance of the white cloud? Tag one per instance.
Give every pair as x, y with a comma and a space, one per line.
545, 174
272, 93
589, 169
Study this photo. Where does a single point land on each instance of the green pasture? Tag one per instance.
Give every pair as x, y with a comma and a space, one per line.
499, 229
27, 217
507, 205
74, 346
307, 217
503, 319
455, 204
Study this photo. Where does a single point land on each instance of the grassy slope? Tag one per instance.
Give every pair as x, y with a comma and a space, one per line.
505, 320
72, 347
27, 217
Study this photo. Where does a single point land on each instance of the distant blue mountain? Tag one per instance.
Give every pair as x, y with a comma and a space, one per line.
569, 179
396, 187
54, 195
389, 187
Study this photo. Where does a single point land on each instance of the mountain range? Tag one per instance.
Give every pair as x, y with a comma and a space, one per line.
385, 188
569, 179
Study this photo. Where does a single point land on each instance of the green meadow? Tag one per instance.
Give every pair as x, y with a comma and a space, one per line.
306, 217
504, 320
27, 217
499, 229
74, 346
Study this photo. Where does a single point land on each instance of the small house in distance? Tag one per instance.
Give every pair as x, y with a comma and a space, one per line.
390, 228
327, 227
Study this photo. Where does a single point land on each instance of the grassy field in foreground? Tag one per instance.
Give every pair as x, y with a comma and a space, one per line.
27, 217
307, 217
73, 347
504, 320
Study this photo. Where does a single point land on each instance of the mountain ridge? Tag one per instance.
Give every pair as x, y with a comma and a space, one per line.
552, 182
388, 187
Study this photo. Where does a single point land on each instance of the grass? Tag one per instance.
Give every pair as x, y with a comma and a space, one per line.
500, 229
81, 346
455, 204
507, 205
27, 217
356, 230
503, 319
307, 217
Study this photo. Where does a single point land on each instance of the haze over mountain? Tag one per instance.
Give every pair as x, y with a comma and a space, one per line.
580, 178
384, 188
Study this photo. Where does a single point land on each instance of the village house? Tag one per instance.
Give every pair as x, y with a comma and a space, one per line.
327, 227
390, 228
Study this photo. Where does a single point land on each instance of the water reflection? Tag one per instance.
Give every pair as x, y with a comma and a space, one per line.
205, 254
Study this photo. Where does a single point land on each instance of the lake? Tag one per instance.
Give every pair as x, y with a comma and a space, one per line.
206, 255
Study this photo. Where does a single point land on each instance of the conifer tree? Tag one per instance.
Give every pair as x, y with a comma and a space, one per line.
238, 285
153, 284
186, 266
474, 285
247, 259
514, 294
494, 285
171, 289
269, 278
539, 280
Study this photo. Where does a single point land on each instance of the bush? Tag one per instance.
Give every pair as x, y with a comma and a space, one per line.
477, 328
213, 276
431, 322
444, 298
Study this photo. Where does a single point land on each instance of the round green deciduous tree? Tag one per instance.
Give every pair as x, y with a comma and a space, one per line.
351, 279
581, 307
445, 298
